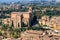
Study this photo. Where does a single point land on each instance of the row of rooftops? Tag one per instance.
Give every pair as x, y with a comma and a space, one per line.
53, 21
35, 34
40, 34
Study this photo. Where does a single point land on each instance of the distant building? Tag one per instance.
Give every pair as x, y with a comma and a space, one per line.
53, 2
53, 22
44, 20
31, 35
35, 1
6, 21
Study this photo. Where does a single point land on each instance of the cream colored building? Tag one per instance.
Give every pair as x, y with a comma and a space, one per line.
16, 19
19, 18
6, 21
44, 20
53, 22
31, 35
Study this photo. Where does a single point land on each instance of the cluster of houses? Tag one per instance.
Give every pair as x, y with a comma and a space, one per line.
36, 35
53, 22
18, 19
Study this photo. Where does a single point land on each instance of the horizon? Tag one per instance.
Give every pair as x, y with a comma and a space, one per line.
22, 0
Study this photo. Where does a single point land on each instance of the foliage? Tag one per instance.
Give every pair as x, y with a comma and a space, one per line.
29, 28
36, 28
5, 27
17, 30
52, 13
45, 25
23, 29
15, 35
0, 33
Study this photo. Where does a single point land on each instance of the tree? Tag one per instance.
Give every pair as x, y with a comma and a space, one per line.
45, 25
29, 28
17, 30
0, 33
5, 27
14, 35
23, 29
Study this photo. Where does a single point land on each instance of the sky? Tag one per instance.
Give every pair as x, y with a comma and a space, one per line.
20, 0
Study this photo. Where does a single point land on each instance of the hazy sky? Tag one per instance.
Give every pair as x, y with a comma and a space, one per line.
19, 0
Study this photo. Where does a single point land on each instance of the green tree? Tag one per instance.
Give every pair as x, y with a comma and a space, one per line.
15, 35
0, 33
29, 28
5, 27
23, 29
18, 30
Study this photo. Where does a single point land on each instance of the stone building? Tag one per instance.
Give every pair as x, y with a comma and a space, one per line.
6, 21
38, 35
44, 20
53, 22
18, 19
27, 18
31, 35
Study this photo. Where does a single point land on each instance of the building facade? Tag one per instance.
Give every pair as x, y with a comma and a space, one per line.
19, 19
